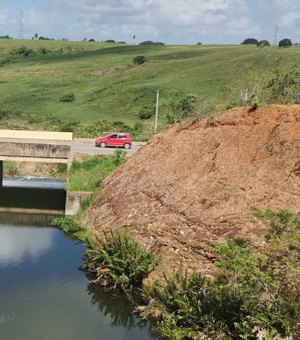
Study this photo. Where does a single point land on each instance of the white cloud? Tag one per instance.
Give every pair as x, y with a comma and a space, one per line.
17, 243
170, 21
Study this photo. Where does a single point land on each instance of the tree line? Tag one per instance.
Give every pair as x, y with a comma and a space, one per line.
262, 43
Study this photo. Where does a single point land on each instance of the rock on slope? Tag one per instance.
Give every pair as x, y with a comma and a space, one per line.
195, 184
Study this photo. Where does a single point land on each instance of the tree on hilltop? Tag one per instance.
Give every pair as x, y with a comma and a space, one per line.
250, 41
285, 43
263, 43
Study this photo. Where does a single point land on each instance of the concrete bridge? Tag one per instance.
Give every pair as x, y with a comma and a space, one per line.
34, 146
37, 146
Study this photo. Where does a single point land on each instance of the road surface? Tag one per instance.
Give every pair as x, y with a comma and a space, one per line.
88, 147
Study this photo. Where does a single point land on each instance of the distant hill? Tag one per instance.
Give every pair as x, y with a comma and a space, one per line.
67, 82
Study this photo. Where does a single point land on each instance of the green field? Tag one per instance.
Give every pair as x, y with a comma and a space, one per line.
108, 86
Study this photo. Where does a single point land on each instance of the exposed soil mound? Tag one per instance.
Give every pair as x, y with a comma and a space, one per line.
195, 184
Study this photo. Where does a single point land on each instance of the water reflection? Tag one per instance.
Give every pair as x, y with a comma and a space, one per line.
117, 305
45, 296
18, 219
17, 244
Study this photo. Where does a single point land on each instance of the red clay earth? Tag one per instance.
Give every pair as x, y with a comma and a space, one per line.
195, 184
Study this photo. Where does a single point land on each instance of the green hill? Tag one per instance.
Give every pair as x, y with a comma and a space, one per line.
107, 85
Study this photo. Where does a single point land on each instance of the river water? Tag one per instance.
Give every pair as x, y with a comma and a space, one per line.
44, 295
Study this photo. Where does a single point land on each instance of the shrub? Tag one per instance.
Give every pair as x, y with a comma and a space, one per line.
231, 104
23, 51
285, 43
119, 157
138, 60
68, 97
66, 224
10, 168
263, 43
253, 295
284, 87
250, 41
119, 261
254, 104
44, 51
89, 174
147, 112
150, 42
182, 108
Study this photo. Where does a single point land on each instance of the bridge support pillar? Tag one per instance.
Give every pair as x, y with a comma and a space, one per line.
1, 174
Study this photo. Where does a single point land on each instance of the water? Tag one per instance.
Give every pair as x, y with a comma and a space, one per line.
44, 295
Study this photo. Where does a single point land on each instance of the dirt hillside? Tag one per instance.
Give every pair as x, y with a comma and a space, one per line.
195, 184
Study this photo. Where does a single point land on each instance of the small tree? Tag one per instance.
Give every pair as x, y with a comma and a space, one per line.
250, 41
263, 43
67, 98
138, 60
285, 43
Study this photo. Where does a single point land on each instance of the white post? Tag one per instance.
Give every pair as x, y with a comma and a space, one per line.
156, 111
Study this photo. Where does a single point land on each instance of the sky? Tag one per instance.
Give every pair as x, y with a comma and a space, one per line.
174, 22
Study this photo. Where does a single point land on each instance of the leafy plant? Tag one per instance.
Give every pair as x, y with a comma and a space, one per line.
66, 224
119, 157
254, 104
88, 174
23, 51
284, 87
68, 97
138, 60
10, 168
119, 261
254, 295
231, 104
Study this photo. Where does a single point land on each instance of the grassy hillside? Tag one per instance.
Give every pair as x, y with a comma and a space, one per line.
108, 86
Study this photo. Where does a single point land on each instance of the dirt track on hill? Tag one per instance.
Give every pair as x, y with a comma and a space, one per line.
195, 184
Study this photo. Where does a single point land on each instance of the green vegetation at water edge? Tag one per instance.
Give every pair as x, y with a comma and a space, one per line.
119, 261
88, 174
254, 295
91, 82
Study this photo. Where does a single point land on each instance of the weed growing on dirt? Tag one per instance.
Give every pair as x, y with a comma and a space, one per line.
89, 174
119, 261
254, 295
10, 168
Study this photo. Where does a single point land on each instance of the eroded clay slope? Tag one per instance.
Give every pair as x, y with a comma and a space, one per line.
195, 184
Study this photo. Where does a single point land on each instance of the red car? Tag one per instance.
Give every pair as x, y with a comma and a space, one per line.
117, 139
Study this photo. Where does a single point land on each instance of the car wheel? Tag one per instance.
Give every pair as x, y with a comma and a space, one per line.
126, 146
102, 144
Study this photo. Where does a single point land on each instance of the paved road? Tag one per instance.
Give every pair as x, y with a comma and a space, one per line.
88, 147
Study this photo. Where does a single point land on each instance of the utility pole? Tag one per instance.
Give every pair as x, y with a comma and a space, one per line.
21, 32
156, 111
276, 34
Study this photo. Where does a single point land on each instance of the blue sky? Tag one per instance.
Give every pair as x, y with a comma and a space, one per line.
169, 21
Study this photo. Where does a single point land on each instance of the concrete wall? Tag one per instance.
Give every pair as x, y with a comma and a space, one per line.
34, 150
41, 135
32, 198
73, 201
